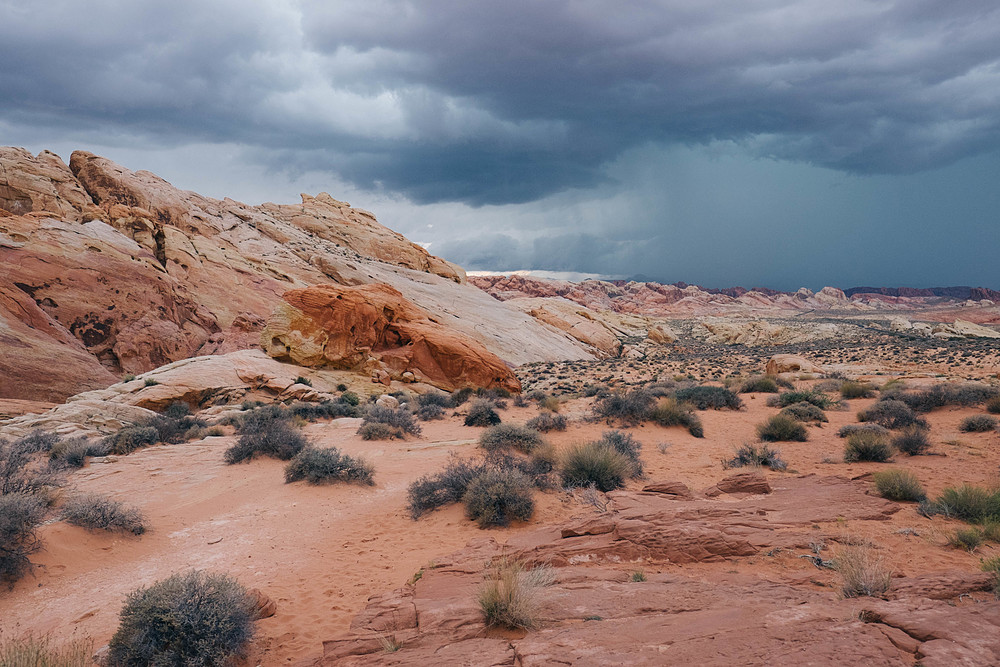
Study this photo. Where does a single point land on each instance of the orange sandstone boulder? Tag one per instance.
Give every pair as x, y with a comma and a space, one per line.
374, 328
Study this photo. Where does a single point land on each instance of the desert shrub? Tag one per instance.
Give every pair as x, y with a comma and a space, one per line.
323, 410
668, 412
761, 384
867, 447
150, 382
850, 429
508, 597
804, 412
260, 416
481, 413
590, 390
448, 486
539, 466
890, 414
173, 430
177, 410
749, 454
326, 466
941, 395
829, 385
400, 420
301, 380
627, 446
991, 530
857, 390
510, 436
20, 515
863, 571
191, 619
72, 453
438, 398
912, 441
276, 439
379, 431
705, 397
130, 439
547, 421
968, 539
782, 428
499, 496
428, 413
628, 409
95, 512
460, 396
38, 441
977, 424
899, 485
969, 503
349, 397
783, 400
19, 469
993, 405
595, 463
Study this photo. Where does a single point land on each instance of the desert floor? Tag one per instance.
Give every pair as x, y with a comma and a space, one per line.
320, 551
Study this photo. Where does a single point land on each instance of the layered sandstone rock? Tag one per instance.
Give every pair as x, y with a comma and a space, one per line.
592, 614
105, 271
199, 381
579, 322
790, 363
373, 328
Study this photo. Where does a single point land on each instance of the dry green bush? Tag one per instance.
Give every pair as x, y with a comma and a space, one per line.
95, 512
978, 424
867, 446
511, 436
328, 465
194, 619
20, 516
900, 485
782, 428
756, 456
499, 496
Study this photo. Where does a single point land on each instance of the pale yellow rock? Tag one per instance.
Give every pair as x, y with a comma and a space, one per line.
790, 363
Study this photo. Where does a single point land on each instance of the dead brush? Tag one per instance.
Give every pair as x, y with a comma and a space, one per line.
863, 571
509, 595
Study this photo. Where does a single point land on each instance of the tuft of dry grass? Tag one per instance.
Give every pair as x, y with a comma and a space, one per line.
32, 651
863, 571
509, 595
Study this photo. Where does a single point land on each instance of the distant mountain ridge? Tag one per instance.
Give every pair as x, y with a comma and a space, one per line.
958, 292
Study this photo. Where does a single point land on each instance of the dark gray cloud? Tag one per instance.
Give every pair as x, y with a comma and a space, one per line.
507, 102
584, 135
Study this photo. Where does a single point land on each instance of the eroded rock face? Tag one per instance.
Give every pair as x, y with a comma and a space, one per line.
790, 363
574, 319
198, 381
105, 271
593, 615
374, 328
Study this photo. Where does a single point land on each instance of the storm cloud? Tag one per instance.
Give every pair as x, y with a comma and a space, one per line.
581, 136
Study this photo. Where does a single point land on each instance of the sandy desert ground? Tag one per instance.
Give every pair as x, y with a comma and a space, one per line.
321, 551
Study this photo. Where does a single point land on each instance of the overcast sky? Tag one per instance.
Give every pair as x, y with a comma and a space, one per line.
779, 143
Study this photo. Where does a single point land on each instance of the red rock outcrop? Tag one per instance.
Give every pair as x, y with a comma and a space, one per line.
374, 328
592, 614
105, 271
